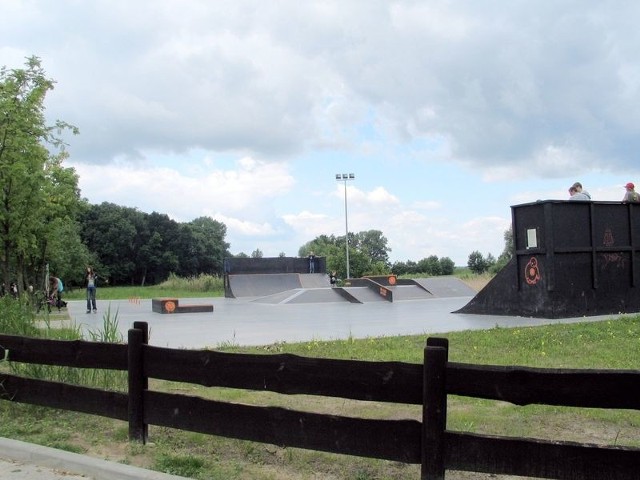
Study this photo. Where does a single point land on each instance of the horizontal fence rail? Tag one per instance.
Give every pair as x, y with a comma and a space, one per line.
426, 442
397, 440
64, 396
393, 382
66, 353
537, 458
527, 386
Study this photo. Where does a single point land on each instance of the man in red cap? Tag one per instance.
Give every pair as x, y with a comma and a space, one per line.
630, 195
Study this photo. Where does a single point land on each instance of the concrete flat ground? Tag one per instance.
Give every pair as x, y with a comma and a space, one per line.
249, 321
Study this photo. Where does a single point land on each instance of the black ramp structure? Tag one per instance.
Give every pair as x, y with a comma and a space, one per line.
571, 259
260, 284
289, 269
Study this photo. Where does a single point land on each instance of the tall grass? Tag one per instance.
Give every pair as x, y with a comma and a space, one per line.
201, 283
18, 318
110, 333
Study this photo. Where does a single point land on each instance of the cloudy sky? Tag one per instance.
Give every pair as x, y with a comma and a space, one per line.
447, 112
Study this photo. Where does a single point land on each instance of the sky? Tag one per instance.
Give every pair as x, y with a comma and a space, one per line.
446, 112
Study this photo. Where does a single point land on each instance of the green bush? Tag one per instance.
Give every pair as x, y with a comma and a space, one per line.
17, 317
201, 283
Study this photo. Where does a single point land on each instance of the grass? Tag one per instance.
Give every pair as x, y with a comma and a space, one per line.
200, 286
613, 343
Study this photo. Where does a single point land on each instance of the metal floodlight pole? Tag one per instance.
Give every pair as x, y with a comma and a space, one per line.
344, 177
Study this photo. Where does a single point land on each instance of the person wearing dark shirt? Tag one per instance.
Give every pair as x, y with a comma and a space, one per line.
312, 263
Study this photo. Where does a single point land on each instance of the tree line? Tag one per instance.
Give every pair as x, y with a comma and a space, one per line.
137, 248
369, 255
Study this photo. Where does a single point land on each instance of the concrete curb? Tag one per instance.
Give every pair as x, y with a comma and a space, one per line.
95, 468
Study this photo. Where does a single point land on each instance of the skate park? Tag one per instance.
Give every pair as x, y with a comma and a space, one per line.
263, 321
573, 262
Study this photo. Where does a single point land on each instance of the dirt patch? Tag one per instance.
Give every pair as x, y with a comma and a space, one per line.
477, 282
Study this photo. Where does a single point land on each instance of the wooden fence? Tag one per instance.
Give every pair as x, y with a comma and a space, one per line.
425, 442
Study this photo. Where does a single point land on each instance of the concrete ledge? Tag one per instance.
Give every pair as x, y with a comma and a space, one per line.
194, 308
164, 305
172, 305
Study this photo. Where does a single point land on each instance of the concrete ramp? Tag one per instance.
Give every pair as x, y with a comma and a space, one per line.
364, 294
410, 292
303, 295
314, 280
277, 288
446, 287
260, 285
317, 295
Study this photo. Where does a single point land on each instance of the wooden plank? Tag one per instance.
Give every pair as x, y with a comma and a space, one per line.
525, 386
136, 386
395, 382
69, 353
195, 308
397, 440
538, 458
60, 395
144, 383
434, 416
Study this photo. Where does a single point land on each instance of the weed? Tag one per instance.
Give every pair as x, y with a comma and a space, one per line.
19, 319
183, 465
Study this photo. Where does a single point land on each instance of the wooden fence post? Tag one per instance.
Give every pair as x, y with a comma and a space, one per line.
137, 428
144, 326
434, 408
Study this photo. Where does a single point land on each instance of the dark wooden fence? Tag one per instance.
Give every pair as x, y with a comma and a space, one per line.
426, 442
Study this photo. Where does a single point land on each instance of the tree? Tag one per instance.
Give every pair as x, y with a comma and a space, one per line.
490, 260
320, 246
399, 268
138, 248
447, 266
477, 263
507, 253
368, 253
36, 191
430, 266
110, 231
68, 257
166, 248
257, 253
209, 246
373, 244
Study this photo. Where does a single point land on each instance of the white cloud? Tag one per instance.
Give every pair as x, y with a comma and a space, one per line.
244, 110
245, 228
185, 197
380, 196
